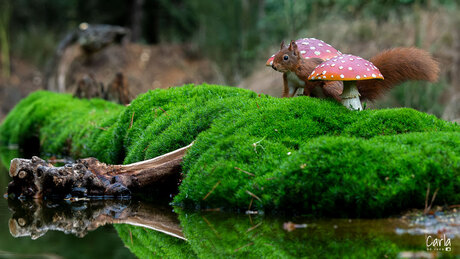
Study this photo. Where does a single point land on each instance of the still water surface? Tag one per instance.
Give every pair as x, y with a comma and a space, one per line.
86, 230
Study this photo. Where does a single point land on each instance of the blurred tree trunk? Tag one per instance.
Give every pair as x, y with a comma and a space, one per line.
136, 19
4, 39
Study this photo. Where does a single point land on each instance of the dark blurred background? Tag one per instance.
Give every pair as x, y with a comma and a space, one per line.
172, 42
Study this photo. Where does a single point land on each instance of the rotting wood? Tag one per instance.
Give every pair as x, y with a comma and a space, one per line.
90, 178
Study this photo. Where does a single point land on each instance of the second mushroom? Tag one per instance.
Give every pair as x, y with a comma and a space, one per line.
349, 69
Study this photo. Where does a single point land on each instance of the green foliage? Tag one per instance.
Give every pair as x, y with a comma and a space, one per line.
297, 154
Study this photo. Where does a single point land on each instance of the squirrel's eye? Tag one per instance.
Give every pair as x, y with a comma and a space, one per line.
286, 57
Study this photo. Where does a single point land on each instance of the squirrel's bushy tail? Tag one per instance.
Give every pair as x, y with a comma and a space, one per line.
397, 66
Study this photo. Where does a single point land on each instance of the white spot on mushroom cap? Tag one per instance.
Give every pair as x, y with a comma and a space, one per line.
324, 72
373, 75
305, 43
271, 63
303, 52
350, 68
342, 76
312, 48
340, 67
358, 77
332, 65
319, 44
328, 51
317, 53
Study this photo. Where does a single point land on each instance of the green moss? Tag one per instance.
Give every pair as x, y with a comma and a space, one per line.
62, 125
303, 154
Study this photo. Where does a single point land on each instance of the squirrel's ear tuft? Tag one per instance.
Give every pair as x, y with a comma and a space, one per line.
282, 45
295, 48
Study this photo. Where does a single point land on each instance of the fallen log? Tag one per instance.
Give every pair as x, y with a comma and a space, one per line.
90, 178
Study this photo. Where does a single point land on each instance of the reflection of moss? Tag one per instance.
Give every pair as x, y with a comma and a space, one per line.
304, 154
225, 236
220, 235
146, 243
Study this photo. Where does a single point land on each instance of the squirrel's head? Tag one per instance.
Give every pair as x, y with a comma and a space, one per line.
287, 58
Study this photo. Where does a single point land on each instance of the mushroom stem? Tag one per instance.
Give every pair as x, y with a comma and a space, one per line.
350, 96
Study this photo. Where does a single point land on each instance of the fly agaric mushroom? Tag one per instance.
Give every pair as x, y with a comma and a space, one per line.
349, 69
312, 48
308, 48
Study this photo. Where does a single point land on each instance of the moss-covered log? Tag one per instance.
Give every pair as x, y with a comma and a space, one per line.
298, 154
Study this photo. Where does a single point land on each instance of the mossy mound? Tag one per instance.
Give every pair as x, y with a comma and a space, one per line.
303, 154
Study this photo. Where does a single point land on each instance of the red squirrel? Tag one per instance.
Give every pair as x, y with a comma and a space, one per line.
396, 65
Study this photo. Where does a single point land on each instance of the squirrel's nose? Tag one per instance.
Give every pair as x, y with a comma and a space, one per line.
273, 66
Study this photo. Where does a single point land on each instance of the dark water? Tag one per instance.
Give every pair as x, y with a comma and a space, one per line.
98, 229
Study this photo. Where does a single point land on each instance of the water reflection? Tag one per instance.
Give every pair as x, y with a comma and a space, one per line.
35, 217
154, 229
101, 243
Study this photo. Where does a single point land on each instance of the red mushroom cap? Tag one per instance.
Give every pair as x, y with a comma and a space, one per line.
345, 68
312, 48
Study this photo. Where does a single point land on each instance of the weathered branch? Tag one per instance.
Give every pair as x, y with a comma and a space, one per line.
91, 178
35, 218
